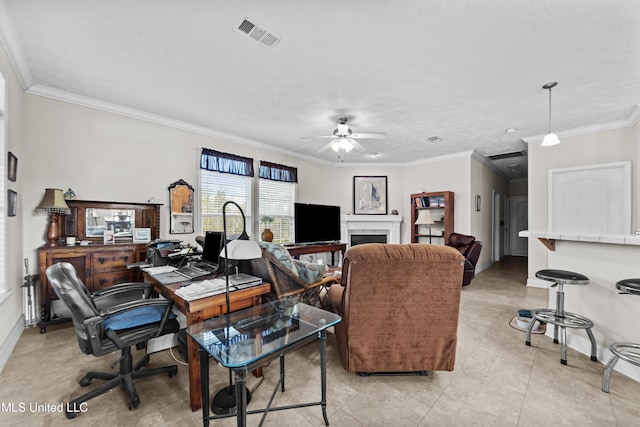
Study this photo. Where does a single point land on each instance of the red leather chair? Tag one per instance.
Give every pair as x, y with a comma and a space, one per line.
470, 248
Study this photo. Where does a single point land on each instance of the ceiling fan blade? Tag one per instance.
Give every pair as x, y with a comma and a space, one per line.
316, 137
326, 147
357, 145
368, 135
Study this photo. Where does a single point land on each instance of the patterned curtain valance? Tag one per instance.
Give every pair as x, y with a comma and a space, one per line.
217, 161
276, 172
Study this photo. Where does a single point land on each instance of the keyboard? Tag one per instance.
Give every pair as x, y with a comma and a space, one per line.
191, 272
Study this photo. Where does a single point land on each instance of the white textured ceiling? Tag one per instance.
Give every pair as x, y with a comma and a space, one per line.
462, 70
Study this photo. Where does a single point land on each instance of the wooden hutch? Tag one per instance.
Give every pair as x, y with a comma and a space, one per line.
98, 265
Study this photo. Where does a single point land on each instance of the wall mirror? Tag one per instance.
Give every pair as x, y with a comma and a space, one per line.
88, 219
120, 221
181, 208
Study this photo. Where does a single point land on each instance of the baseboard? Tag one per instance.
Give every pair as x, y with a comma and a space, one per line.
583, 345
537, 283
10, 343
484, 266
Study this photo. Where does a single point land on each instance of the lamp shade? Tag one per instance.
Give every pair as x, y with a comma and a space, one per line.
241, 249
424, 218
53, 202
550, 139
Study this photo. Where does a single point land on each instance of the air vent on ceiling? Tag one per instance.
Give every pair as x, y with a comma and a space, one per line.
258, 33
507, 155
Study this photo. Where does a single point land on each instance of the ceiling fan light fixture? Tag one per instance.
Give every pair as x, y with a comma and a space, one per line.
342, 144
550, 138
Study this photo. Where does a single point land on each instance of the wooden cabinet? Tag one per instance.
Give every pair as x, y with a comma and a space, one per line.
440, 205
98, 266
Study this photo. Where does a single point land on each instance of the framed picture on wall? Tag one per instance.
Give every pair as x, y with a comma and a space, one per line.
370, 195
12, 167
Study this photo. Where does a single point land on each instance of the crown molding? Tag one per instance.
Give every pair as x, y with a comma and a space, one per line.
13, 47
632, 119
85, 101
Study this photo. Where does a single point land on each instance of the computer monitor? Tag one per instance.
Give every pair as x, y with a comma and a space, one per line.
212, 247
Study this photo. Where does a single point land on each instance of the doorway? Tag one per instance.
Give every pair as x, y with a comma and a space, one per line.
519, 219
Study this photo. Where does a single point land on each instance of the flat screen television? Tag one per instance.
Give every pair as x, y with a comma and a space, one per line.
316, 223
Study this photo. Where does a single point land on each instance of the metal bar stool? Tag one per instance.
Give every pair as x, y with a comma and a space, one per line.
627, 351
559, 318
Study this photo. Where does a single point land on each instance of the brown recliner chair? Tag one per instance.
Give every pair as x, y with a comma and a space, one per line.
470, 248
399, 306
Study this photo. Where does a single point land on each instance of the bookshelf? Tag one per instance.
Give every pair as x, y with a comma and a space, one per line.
441, 207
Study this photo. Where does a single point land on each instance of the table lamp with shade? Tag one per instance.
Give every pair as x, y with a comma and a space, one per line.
53, 204
424, 218
242, 248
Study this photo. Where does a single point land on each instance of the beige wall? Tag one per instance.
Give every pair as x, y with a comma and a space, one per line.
484, 182
518, 187
11, 305
580, 150
615, 316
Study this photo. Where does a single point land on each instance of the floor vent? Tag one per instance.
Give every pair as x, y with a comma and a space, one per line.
258, 33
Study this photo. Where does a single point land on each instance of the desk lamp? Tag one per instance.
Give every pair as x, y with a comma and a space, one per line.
224, 402
53, 204
424, 218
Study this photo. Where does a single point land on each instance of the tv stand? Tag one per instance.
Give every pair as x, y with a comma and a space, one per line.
306, 248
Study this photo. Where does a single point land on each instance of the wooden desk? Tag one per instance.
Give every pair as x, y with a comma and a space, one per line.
202, 309
298, 250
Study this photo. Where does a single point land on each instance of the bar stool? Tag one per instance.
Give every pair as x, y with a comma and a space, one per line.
627, 351
558, 317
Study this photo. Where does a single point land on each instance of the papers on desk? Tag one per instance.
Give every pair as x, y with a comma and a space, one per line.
159, 270
209, 287
202, 289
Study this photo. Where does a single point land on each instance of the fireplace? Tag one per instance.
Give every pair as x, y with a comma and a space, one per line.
359, 239
376, 227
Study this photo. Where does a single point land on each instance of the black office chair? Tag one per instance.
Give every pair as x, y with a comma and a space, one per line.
102, 328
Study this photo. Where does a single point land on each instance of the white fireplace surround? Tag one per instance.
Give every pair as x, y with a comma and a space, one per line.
388, 225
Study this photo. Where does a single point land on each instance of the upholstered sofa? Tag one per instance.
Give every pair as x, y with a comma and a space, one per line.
399, 306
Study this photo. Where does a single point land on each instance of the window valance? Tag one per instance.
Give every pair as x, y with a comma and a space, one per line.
276, 172
217, 161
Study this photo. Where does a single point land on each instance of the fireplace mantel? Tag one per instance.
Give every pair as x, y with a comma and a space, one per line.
370, 224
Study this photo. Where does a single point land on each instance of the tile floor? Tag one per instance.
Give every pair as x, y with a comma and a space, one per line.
498, 381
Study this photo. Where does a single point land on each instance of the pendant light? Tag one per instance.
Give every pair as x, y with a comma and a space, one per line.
550, 138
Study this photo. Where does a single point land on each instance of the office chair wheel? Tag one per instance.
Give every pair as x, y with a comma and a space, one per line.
133, 403
85, 381
173, 371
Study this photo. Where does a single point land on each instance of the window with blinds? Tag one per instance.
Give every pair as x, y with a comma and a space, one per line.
276, 201
216, 189
277, 193
225, 177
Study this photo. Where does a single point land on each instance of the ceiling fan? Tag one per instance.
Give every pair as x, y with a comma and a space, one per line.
343, 139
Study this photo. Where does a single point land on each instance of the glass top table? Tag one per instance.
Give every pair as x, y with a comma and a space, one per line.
246, 339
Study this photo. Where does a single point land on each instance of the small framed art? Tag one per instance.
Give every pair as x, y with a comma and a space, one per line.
141, 235
12, 203
12, 167
370, 195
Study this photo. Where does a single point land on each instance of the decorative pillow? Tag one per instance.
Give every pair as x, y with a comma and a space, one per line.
280, 253
309, 272
136, 317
